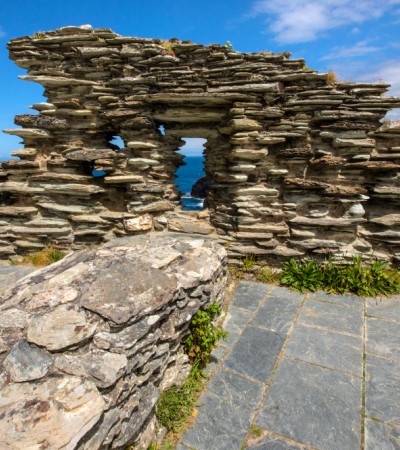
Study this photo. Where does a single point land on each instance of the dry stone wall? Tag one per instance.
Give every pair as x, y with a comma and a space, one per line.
88, 344
299, 164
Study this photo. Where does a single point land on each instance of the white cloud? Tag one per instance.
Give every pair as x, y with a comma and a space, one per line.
388, 72
305, 20
358, 49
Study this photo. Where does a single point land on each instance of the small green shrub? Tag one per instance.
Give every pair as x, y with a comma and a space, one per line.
302, 275
203, 336
365, 279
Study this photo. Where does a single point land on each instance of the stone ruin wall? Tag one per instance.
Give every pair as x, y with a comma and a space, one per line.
301, 165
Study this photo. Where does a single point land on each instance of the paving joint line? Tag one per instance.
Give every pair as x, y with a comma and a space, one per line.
363, 392
389, 424
319, 327
286, 439
331, 369
277, 363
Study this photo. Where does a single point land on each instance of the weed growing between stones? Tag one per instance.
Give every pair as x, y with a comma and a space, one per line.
175, 405
45, 257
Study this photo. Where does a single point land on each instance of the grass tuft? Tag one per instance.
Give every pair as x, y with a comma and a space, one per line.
45, 257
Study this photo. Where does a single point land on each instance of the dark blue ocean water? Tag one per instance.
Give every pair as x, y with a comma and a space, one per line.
187, 176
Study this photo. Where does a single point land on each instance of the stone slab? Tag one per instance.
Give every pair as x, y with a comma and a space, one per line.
239, 390
326, 348
333, 317
379, 436
282, 292
255, 353
272, 442
352, 301
235, 322
277, 313
314, 406
382, 389
249, 295
225, 412
383, 338
217, 354
384, 308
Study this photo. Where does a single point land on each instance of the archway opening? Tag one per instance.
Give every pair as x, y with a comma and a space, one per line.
190, 177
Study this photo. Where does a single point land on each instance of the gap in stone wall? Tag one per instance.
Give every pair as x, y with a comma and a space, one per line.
392, 114
190, 173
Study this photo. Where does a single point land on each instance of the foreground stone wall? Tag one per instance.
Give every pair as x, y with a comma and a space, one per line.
88, 344
300, 164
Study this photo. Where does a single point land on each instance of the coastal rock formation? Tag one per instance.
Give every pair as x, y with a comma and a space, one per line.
300, 164
88, 344
201, 188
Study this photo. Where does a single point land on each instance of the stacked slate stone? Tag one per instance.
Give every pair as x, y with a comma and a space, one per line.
88, 344
299, 164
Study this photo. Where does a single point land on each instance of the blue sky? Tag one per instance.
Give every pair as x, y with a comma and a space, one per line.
358, 39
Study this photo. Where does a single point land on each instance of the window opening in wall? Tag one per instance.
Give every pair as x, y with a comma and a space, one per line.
117, 142
190, 177
393, 114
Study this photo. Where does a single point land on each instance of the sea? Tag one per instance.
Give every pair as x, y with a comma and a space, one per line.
187, 175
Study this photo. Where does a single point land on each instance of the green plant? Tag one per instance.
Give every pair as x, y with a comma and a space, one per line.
203, 337
44, 257
301, 275
38, 35
228, 45
255, 430
248, 263
168, 48
365, 279
176, 404
267, 275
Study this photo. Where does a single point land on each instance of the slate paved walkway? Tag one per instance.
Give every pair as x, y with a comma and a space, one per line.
297, 371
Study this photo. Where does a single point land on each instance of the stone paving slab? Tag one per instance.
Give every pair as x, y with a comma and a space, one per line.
235, 322
277, 313
386, 308
382, 389
314, 406
313, 399
255, 353
326, 348
380, 436
249, 295
332, 316
383, 338
351, 301
225, 413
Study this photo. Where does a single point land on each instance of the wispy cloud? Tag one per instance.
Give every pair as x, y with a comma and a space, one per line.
359, 49
389, 72
2, 33
295, 21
